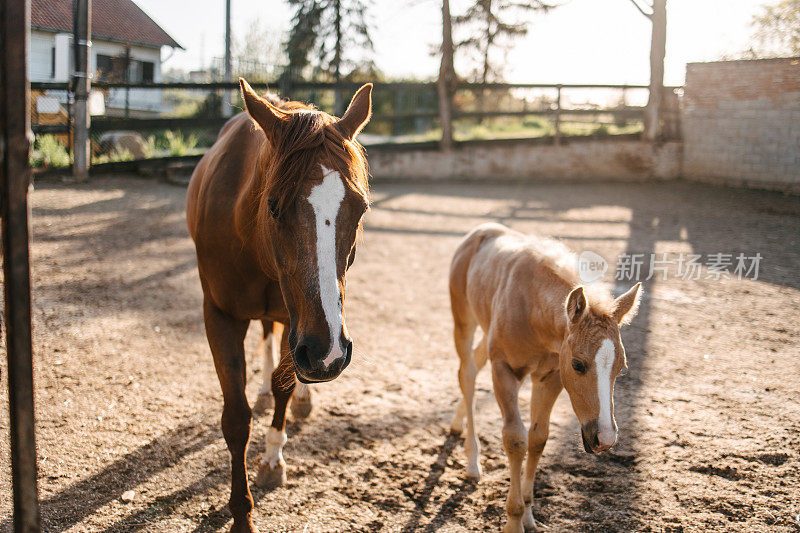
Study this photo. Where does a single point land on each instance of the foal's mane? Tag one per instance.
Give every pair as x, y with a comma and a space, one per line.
307, 135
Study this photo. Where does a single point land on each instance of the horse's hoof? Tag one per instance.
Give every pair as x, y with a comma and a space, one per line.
243, 527
264, 401
269, 477
301, 408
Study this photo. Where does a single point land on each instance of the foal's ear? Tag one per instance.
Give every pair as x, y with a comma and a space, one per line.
264, 113
576, 305
357, 114
627, 305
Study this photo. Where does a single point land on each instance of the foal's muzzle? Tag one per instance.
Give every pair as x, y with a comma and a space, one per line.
309, 356
591, 438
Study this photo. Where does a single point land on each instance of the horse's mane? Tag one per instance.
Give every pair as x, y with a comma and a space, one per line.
307, 135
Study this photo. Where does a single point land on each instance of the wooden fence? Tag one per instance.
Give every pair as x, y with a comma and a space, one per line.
470, 106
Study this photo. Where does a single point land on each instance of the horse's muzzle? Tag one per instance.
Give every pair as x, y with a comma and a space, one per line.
309, 357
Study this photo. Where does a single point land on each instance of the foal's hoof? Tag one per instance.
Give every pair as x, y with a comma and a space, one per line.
474, 472
528, 521
271, 477
301, 408
264, 401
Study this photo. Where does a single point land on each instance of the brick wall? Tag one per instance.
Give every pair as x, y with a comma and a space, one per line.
614, 158
741, 123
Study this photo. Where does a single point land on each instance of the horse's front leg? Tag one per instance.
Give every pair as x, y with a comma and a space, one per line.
543, 396
226, 339
515, 441
272, 469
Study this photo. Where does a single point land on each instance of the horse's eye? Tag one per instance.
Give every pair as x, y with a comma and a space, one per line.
272, 204
578, 366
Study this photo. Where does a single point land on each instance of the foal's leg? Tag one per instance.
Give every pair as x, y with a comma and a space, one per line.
226, 339
463, 335
480, 355
267, 348
506, 390
543, 396
272, 469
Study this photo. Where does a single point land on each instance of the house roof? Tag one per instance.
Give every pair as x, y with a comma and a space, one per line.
113, 20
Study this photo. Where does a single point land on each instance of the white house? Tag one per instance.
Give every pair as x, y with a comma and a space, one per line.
122, 36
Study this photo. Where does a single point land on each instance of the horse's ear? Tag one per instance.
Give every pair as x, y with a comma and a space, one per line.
264, 113
626, 306
576, 304
357, 114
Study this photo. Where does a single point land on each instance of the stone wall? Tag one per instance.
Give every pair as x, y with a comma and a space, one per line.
741, 123
613, 158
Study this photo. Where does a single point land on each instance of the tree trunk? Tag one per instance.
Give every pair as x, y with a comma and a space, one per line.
447, 80
652, 122
338, 103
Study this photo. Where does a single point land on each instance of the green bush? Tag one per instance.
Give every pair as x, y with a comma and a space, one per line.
114, 156
176, 144
49, 152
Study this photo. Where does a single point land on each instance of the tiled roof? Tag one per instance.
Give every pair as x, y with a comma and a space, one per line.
113, 20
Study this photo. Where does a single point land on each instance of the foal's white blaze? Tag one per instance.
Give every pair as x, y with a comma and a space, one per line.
326, 198
604, 361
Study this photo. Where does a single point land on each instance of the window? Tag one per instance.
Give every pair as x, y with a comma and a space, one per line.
112, 68
53, 62
148, 69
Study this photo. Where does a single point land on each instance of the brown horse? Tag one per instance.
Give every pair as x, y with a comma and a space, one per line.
537, 320
274, 208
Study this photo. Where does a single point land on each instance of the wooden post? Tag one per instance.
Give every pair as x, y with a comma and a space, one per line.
557, 133
81, 85
14, 186
227, 108
447, 80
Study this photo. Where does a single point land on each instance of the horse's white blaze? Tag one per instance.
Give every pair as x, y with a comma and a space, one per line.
604, 361
326, 198
273, 453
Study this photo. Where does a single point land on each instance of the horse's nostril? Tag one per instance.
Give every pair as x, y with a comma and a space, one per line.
301, 357
348, 348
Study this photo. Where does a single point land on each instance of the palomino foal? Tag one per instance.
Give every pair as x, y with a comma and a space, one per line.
525, 295
274, 208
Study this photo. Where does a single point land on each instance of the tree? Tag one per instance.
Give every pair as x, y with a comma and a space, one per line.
492, 26
446, 85
259, 53
330, 37
777, 30
657, 13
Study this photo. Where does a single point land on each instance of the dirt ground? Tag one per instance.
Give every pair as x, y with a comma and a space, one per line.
127, 397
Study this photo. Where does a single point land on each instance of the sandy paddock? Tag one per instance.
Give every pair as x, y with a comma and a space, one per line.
127, 397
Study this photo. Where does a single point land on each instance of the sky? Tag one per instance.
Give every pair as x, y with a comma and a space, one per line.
581, 41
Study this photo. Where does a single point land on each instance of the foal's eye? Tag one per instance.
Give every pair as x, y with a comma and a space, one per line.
578, 366
272, 204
